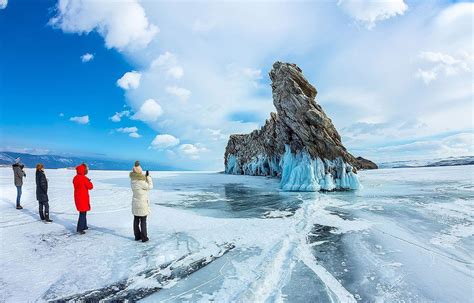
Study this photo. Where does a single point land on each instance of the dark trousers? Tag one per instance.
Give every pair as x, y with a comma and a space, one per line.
139, 228
82, 222
44, 214
18, 195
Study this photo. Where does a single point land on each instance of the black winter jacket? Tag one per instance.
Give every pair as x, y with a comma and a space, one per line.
41, 186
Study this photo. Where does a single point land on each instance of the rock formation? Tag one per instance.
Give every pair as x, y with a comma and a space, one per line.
298, 143
363, 163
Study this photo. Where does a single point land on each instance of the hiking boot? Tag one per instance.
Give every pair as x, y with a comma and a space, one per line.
46, 218
81, 232
19, 207
145, 240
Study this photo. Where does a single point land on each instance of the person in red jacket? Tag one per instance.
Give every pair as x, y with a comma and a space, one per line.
82, 185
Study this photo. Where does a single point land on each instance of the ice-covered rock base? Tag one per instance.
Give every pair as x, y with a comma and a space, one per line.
299, 172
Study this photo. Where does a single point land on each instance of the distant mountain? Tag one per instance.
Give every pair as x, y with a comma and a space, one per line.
469, 160
451, 161
54, 161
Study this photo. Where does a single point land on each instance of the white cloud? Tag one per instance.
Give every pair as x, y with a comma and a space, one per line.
166, 58
463, 142
438, 57
175, 72
131, 131
243, 76
169, 63
369, 12
80, 119
217, 134
129, 80
127, 130
3, 4
191, 150
87, 57
123, 24
456, 145
252, 73
182, 93
426, 75
118, 116
444, 63
247, 73
164, 141
61, 114
364, 132
149, 111
134, 135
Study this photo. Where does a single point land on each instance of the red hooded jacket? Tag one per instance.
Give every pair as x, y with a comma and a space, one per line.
82, 185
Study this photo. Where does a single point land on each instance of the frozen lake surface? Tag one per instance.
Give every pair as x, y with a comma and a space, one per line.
407, 236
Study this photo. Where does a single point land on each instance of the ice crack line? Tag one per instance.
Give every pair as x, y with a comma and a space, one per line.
221, 274
150, 281
277, 266
305, 255
425, 248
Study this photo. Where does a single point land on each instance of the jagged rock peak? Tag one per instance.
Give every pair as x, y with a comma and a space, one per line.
288, 75
298, 143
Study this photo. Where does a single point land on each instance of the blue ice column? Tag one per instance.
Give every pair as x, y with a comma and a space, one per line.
260, 165
232, 166
347, 179
299, 172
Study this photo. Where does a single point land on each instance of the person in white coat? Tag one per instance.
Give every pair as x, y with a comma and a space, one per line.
140, 184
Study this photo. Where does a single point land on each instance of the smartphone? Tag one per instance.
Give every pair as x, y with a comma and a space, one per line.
147, 173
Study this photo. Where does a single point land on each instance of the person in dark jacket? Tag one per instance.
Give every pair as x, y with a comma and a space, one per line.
82, 185
42, 193
18, 175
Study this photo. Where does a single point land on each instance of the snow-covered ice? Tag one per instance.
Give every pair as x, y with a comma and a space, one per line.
406, 236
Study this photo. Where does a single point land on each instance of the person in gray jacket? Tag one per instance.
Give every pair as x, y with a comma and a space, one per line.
18, 175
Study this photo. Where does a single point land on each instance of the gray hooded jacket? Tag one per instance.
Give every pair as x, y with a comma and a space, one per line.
18, 174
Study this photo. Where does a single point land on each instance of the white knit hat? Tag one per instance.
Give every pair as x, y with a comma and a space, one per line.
17, 160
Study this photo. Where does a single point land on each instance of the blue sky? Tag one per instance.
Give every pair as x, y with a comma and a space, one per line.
42, 76
169, 81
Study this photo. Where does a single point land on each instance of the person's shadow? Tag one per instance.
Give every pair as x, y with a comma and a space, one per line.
72, 227
69, 225
34, 215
